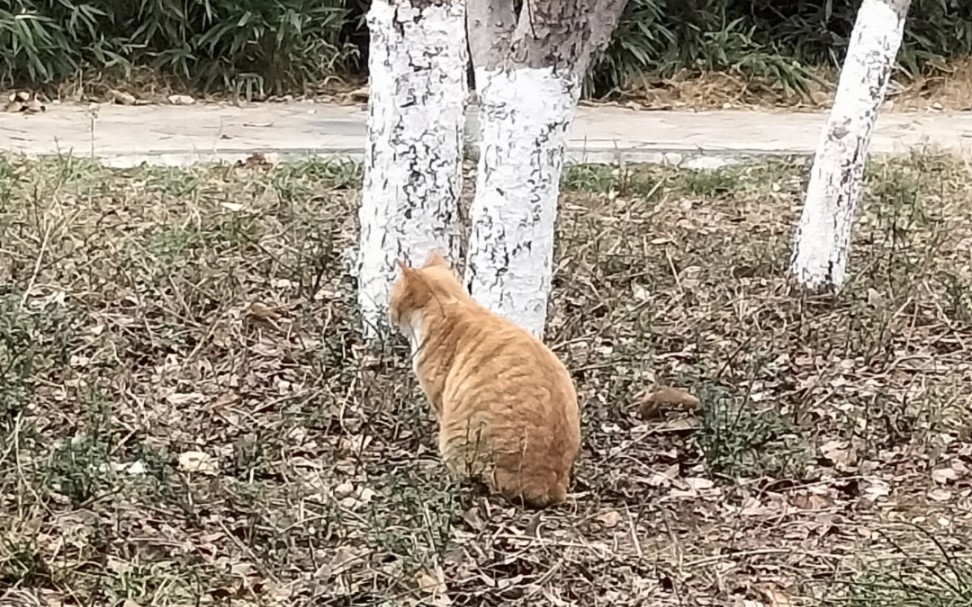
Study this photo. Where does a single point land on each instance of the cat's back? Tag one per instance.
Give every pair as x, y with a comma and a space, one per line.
502, 353
508, 383
512, 381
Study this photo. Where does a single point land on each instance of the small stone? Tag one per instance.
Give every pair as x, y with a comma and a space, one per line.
181, 100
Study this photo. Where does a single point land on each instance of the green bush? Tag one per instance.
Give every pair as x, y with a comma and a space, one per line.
276, 46
243, 45
776, 40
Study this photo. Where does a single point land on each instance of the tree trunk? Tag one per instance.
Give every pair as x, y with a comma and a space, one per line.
528, 74
822, 242
413, 159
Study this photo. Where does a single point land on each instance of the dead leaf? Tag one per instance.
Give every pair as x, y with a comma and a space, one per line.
641, 293
874, 298
179, 399
531, 528
23, 102
753, 507
473, 519
243, 569
939, 495
225, 400
197, 461
122, 98
354, 444
676, 426
698, 483
26, 107
943, 476
344, 490
609, 518
677, 494
259, 160
431, 581
343, 558
838, 453
359, 94
262, 311
665, 477
876, 489
365, 495
775, 596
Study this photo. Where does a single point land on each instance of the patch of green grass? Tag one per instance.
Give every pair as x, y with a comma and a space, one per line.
325, 175
652, 181
22, 563
141, 582
958, 298
740, 438
709, 183
589, 178
80, 467
32, 343
627, 181
17, 354
940, 578
426, 511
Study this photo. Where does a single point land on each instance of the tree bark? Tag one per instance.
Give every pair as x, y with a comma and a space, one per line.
823, 236
528, 77
413, 157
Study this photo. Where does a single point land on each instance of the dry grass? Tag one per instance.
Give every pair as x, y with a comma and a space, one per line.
188, 416
948, 89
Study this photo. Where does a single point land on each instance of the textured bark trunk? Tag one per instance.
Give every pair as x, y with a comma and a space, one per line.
823, 237
413, 158
528, 73
524, 116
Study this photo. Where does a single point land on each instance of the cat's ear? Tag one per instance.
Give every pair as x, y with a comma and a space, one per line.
435, 258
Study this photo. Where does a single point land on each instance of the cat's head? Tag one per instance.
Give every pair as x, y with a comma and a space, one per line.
432, 283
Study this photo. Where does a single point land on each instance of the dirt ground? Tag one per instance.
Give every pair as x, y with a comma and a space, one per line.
188, 415
950, 88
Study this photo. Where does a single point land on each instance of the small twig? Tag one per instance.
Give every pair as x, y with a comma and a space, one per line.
743, 553
256, 561
37, 266
634, 533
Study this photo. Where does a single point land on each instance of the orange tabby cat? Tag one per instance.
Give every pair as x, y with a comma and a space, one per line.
506, 406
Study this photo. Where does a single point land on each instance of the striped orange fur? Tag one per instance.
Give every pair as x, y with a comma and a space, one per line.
506, 405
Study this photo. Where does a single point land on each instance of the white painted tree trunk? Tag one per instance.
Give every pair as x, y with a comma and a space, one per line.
529, 66
413, 157
524, 114
823, 237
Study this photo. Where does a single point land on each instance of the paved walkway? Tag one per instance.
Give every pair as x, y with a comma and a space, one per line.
178, 135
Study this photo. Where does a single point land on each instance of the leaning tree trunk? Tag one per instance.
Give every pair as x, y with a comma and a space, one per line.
823, 237
413, 157
528, 74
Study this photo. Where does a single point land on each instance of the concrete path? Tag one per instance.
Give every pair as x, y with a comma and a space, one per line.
179, 135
